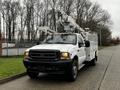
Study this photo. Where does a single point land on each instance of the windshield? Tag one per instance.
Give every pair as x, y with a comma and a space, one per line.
61, 39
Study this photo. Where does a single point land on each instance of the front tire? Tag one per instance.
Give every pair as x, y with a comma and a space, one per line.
73, 72
32, 75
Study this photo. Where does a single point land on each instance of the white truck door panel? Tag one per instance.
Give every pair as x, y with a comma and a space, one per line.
81, 50
82, 55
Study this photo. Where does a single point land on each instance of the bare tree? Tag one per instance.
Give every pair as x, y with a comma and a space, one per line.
90, 14
34, 13
22, 23
29, 5
6, 5
10, 13
0, 18
0, 31
15, 7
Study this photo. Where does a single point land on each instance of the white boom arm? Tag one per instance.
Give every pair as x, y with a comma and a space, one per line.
46, 29
72, 23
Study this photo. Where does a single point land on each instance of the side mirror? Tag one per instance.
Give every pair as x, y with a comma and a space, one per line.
87, 43
80, 44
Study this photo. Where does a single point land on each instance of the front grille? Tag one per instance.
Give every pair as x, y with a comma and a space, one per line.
44, 55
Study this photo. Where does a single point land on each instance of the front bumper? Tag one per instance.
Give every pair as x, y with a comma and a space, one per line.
59, 66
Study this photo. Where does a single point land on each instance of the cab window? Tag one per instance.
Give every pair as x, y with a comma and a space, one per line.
80, 40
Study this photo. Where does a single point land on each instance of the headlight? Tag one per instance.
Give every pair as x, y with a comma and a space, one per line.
65, 55
26, 54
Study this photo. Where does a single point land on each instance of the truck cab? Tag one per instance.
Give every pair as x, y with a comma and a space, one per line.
61, 53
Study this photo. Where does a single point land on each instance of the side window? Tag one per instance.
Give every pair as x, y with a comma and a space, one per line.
80, 40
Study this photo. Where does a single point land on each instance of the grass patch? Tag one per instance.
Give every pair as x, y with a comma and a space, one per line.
10, 66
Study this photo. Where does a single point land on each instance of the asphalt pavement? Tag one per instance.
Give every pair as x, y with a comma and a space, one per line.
104, 76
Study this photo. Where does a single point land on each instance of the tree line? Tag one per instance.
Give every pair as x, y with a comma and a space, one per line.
27, 15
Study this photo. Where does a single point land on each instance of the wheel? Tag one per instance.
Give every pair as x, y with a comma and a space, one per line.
32, 75
73, 72
96, 58
93, 62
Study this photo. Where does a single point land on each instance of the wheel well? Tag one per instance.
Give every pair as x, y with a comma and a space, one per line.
75, 58
95, 53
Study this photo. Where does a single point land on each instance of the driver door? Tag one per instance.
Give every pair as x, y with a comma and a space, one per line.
81, 50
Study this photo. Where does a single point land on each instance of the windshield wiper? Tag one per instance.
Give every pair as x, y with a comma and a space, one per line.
48, 42
56, 43
59, 42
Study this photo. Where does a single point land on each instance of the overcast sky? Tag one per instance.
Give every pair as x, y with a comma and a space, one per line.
113, 7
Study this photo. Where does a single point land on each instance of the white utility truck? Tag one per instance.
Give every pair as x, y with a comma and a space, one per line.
64, 53
61, 53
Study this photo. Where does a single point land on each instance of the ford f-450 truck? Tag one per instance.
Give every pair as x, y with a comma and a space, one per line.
64, 53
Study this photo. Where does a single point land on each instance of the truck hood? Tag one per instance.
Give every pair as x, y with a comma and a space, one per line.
61, 47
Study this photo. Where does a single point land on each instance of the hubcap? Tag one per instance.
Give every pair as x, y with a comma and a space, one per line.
74, 71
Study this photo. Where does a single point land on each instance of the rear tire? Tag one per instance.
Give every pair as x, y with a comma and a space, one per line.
73, 72
32, 75
93, 62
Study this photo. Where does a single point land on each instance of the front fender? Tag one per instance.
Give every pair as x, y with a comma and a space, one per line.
73, 55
